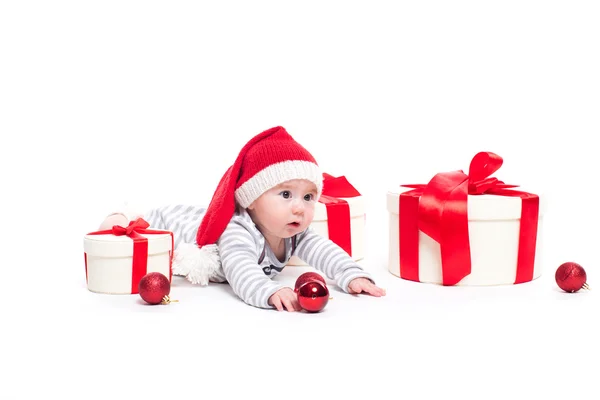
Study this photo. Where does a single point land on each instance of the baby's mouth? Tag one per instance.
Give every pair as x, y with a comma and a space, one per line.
294, 224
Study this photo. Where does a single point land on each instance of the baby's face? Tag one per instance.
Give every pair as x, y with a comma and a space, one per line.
285, 210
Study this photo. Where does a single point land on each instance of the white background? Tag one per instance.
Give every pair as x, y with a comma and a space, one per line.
149, 102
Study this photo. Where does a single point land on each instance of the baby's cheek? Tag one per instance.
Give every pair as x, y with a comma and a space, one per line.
309, 213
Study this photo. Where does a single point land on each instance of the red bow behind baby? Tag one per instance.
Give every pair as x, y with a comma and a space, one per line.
338, 210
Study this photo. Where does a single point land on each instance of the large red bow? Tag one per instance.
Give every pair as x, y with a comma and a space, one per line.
338, 210
140, 247
439, 209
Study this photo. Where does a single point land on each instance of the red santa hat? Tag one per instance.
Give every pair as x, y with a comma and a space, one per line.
267, 160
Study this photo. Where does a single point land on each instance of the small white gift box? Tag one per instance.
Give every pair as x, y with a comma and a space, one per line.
356, 235
116, 260
339, 216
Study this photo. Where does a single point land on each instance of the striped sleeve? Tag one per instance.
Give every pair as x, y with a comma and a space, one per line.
329, 258
238, 248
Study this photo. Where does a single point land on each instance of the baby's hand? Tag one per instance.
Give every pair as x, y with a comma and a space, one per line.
285, 298
360, 285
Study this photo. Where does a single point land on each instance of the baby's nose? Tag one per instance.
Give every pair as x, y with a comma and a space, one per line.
297, 206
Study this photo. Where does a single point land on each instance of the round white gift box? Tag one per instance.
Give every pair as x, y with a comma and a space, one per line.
109, 261
357, 227
494, 223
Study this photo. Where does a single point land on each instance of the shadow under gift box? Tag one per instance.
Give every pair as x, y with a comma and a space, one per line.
357, 227
109, 260
493, 231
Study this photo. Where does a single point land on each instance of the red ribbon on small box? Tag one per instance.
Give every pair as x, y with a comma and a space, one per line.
140, 248
338, 210
439, 209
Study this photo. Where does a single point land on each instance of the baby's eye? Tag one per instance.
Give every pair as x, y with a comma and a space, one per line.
286, 194
308, 197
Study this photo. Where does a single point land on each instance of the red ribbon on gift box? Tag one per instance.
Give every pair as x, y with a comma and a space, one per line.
140, 248
338, 210
439, 209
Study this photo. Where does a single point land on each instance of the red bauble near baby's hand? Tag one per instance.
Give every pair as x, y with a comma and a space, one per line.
571, 277
313, 296
308, 277
154, 288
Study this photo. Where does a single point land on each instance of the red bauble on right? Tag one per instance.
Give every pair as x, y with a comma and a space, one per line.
313, 296
571, 277
308, 277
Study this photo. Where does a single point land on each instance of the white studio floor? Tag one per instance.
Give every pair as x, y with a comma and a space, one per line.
421, 340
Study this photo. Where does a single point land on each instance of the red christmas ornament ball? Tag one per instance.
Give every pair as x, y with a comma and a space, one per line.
308, 277
570, 277
153, 287
313, 296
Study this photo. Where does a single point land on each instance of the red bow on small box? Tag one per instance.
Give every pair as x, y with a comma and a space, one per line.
338, 210
140, 247
439, 209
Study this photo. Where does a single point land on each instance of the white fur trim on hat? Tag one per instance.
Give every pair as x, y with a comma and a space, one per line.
276, 174
197, 264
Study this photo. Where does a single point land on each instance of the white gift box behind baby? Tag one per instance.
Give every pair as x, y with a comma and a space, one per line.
116, 263
494, 238
320, 225
339, 216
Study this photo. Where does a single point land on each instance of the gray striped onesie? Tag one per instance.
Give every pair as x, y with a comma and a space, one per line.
247, 262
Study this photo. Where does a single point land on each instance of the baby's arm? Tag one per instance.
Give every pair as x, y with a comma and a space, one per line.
328, 257
239, 258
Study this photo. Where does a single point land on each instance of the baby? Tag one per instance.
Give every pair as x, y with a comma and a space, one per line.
257, 220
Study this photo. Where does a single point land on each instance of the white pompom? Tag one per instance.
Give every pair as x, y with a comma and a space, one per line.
196, 264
